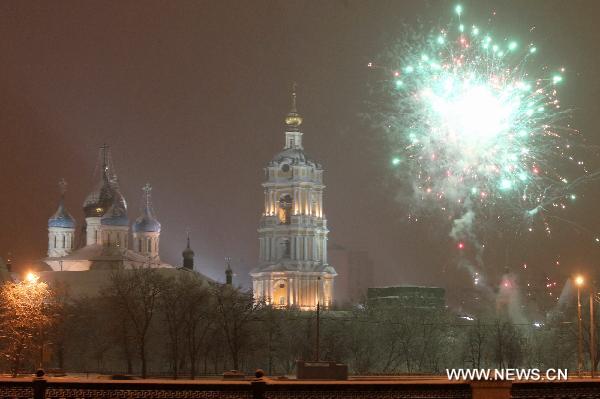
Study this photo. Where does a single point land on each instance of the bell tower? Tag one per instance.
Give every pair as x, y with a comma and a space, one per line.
292, 268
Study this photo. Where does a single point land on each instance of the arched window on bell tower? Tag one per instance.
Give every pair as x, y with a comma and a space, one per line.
284, 212
280, 293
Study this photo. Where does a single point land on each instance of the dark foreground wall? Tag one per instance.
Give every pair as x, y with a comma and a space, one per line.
268, 389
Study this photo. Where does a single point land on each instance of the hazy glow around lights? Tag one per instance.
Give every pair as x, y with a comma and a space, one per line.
31, 277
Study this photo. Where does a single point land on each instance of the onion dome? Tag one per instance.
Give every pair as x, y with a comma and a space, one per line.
107, 190
293, 120
188, 253
147, 222
62, 217
116, 215
98, 201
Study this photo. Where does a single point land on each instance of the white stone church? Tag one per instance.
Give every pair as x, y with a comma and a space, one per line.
293, 269
106, 230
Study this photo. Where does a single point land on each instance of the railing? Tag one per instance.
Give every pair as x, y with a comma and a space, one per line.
556, 390
257, 388
262, 388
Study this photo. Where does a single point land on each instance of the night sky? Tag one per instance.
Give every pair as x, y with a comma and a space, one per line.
191, 97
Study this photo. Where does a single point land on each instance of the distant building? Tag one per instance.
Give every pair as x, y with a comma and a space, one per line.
228, 272
408, 297
293, 269
355, 274
188, 255
107, 239
84, 258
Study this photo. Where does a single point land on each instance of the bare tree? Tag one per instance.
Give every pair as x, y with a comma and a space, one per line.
234, 311
135, 293
58, 333
507, 344
172, 305
94, 329
185, 309
475, 340
361, 345
197, 318
295, 340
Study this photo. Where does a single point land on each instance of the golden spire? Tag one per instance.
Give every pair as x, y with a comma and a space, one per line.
293, 118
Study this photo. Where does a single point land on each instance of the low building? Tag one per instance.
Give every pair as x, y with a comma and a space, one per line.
408, 296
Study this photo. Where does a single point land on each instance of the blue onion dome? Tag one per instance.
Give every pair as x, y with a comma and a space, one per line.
146, 225
146, 222
62, 217
116, 215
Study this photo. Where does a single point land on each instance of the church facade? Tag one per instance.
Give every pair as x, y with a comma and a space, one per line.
107, 239
292, 269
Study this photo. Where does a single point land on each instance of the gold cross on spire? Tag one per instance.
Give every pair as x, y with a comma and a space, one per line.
62, 185
187, 233
294, 86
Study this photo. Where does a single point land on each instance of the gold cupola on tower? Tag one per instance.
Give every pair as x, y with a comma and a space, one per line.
293, 118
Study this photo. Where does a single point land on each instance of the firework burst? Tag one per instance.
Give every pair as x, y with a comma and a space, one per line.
478, 125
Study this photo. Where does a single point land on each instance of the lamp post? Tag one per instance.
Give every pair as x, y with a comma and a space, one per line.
579, 282
592, 333
318, 319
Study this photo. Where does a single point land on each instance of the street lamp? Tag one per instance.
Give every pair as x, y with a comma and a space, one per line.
31, 277
318, 320
579, 282
592, 331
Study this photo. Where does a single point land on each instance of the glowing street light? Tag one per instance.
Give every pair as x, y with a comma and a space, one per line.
31, 277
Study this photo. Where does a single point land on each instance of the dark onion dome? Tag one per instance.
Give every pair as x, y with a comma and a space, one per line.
116, 215
187, 252
100, 200
62, 217
147, 222
107, 190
